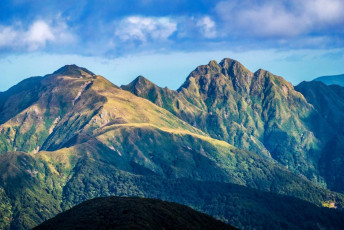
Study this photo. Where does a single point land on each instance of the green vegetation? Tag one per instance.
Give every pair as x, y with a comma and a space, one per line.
5, 210
91, 176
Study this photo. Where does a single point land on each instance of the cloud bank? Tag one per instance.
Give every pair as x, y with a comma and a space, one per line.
126, 27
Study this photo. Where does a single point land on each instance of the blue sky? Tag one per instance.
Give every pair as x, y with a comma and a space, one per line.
166, 40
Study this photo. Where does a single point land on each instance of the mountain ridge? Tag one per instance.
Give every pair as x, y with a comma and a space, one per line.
81, 137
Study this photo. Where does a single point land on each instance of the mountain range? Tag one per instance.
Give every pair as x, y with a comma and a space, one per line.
249, 149
332, 80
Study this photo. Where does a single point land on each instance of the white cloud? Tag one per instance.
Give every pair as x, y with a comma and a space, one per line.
36, 36
280, 18
145, 28
207, 27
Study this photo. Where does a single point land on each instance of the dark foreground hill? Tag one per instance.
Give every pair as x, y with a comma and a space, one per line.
132, 213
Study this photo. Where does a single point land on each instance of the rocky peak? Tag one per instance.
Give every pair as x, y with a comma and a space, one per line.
141, 80
227, 67
228, 63
234, 68
264, 78
214, 66
260, 72
140, 85
75, 71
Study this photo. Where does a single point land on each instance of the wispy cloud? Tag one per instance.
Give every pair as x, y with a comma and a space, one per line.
144, 29
197, 28
35, 36
207, 27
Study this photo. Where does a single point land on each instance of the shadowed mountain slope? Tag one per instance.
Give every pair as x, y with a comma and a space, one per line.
328, 100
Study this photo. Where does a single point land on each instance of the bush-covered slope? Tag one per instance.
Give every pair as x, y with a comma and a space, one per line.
43, 184
64, 180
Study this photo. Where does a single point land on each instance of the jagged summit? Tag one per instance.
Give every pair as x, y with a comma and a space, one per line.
227, 66
141, 80
263, 72
74, 70
228, 63
213, 62
260, 71
214, 65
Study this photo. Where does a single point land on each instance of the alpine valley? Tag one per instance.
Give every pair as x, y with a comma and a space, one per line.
249, 149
